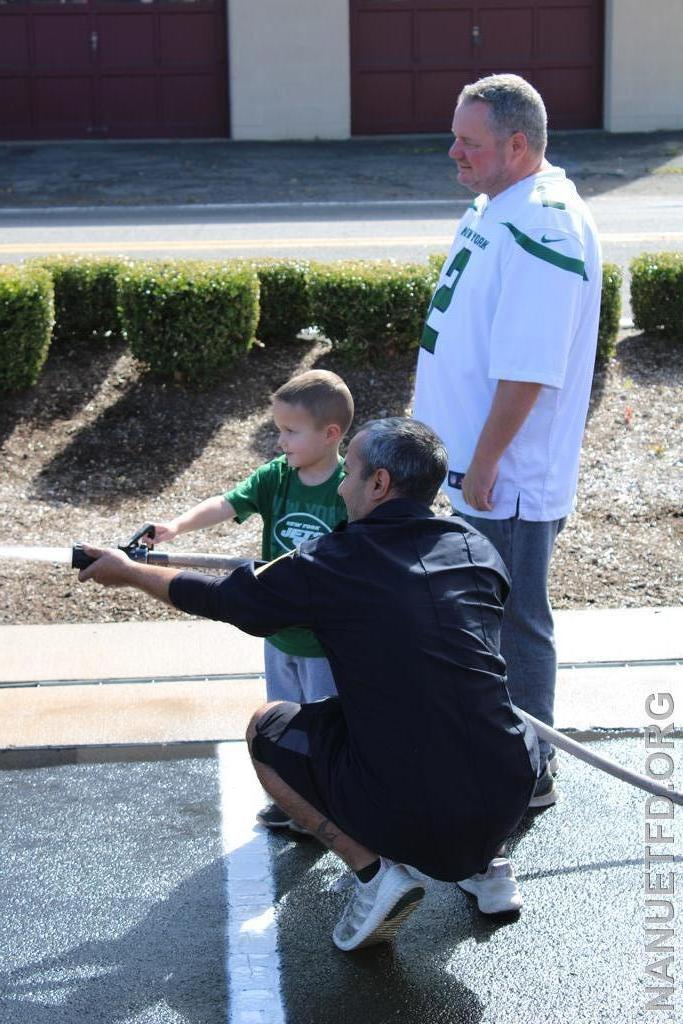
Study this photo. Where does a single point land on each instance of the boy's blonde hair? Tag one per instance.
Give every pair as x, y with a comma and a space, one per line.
323, 395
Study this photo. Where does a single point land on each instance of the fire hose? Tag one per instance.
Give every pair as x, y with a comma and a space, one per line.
570, 746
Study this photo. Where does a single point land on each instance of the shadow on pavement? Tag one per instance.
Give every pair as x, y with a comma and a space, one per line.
173, 956
407, 980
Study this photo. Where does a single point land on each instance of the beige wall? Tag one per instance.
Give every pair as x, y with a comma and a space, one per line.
643, 65
289, 69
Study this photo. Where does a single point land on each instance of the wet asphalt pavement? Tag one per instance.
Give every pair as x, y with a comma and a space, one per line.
114, 906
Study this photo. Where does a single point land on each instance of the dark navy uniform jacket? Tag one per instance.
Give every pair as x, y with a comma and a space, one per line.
436, 764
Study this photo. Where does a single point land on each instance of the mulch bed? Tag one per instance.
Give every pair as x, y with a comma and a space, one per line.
98, 446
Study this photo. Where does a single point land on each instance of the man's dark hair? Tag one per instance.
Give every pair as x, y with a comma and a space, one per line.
413, 455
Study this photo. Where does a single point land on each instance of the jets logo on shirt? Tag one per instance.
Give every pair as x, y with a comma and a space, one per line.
297, 527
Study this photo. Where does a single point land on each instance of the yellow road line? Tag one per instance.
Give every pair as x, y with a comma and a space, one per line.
235, 245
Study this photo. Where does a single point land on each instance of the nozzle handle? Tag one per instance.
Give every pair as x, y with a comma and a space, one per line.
79, 559
146, 528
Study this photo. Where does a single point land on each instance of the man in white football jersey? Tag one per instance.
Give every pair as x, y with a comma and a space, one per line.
506, 363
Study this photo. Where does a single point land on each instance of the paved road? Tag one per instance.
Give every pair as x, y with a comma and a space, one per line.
405, 230
136, 890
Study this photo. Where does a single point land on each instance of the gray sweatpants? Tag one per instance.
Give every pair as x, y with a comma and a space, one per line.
527, 637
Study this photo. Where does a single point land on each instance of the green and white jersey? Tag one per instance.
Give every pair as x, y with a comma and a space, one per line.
292, 512
518, 299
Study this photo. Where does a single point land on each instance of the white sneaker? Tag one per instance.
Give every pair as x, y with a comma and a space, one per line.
377, 908
496, 890
343, 883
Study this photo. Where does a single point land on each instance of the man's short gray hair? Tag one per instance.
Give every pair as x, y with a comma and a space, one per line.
514, 106
413, 455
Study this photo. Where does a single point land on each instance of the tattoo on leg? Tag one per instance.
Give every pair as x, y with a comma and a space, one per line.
327, 833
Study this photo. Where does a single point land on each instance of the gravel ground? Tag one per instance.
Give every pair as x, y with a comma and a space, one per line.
97, 447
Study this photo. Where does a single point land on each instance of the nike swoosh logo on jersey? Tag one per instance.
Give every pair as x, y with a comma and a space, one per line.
549, 241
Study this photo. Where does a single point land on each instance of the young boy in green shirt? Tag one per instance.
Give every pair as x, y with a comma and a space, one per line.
296, 497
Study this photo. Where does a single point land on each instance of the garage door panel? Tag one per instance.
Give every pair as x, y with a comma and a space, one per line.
15, 108
436, 94
126, 40
443, 37
568, 35
62, 104
84, 68
184, 95
189, 40
386, 101
506, 36
14, 42
384, 37
570, 95
557, 44
62, 42
129, 103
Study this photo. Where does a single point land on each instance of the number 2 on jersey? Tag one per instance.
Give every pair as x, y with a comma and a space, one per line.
443, 295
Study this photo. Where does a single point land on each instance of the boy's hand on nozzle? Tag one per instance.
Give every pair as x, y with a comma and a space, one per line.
162, 532
111, 568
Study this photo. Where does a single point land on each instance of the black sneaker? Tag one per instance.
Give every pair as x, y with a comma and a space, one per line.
545, 793
274, 817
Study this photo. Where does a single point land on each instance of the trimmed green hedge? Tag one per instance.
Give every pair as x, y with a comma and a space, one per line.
610, 312
26, 319
435, 262
187, 320
192, 320
284, 300
85, 298
657, 292
370, 312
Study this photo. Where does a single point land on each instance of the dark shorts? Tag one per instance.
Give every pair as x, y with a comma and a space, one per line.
438, 830
302, 743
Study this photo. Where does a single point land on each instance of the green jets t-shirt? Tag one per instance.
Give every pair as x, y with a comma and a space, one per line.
292, 513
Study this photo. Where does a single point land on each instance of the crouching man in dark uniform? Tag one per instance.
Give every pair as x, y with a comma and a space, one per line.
421, 760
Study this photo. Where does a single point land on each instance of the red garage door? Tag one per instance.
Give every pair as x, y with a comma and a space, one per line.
410, 58
100, 69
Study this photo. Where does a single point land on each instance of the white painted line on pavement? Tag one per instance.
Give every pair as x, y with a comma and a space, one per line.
252, 961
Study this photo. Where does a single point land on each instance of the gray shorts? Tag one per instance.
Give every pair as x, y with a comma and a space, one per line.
293, 678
